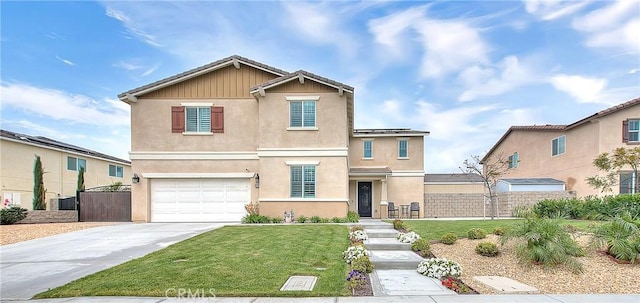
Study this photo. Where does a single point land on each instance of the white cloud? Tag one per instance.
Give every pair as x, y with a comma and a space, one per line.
132, 27
553, 9
390, 31
480, 81
129, 66
615, 25
584, 89
60, 105
65, 61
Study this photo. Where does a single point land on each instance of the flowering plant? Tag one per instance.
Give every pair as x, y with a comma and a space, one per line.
409, 237
358, 236
356, 278
354, 252
439, 267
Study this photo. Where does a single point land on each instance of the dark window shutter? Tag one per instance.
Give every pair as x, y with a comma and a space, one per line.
177, 119
217, 119
625, 131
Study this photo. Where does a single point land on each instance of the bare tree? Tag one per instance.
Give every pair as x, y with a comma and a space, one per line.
491, 171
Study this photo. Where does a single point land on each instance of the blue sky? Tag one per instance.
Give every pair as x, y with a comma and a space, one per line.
465, 71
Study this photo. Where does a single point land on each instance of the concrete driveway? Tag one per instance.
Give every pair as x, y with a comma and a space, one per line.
30, 267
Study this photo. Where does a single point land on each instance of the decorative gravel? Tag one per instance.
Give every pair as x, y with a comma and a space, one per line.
601, 274
22, 232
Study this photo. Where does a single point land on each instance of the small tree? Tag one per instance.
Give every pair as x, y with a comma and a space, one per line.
80, 179
611, 164
490, 171
38, 186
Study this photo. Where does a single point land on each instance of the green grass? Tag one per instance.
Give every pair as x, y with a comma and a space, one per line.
230, 261
434, 229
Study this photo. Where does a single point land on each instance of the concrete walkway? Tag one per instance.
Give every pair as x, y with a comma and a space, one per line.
601, 298
31, 267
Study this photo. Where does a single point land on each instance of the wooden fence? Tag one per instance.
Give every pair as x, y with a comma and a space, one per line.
105, 207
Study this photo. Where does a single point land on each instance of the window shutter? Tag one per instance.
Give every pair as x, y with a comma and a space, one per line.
177, 119
217, 119
625, 131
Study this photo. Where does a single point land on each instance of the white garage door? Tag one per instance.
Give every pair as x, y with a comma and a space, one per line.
199, 200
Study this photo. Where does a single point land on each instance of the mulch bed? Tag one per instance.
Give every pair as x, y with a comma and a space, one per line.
364, 290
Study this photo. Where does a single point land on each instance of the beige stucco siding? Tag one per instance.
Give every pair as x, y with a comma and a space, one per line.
17, 172
151, 127
385, 153
227, 82
404, 190
376, 198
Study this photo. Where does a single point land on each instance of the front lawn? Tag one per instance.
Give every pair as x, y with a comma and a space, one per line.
230, 261
434, 229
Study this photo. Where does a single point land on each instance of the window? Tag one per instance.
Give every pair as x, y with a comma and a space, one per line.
513, 160
198, 119
627, 183
367, 149
302, 114
403, 149
76, 163
558, 146
116, 171
303, 181
633, 131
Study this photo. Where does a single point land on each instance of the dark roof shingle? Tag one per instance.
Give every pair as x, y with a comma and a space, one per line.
453, 178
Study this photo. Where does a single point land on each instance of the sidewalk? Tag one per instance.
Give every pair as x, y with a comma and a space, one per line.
599, 298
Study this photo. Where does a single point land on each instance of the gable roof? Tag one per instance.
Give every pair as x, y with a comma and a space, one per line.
532, 181
562, 127
48, 143
452, 178
235, 60
299, 75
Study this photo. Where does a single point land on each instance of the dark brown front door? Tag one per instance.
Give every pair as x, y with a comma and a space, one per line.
365, 192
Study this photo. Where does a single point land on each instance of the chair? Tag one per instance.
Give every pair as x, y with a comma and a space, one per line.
415, 206
392, 209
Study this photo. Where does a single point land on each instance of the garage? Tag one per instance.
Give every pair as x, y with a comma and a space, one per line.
199, 200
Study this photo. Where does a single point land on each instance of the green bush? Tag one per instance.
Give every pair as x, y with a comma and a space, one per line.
362, 264
421, 245
589, 208
353, 217
500, 230
324, 220
302, 219
523, 211
338, 220
255, 218
449, 238
398, 224
315, 219
12, 214
476, 233
544, 241
276, 220
487, 249
621, 236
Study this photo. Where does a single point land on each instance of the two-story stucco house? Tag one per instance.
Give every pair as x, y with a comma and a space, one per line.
61, 163
566, 152
212, 139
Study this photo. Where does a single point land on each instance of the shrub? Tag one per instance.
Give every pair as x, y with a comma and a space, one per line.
12, 214
362, 264
353, 217
421, 245
251, 208
621, 236
315, 219
589, 208
409, 237
358, 236
356, 227
449, 238
356, 279
499, 230
248, 219
439, 268
477, 233
523, 211
276, 220
338, 220
324, 220
487, 249
302, 219
354, 252
545, 242
398, 224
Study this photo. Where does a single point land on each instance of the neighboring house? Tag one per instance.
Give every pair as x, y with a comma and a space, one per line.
566, 152
212, 139
529, 185
60, 162
453, 183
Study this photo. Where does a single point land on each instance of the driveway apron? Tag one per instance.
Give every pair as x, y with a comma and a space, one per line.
31, 267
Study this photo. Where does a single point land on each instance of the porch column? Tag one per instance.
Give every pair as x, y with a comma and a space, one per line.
383, 200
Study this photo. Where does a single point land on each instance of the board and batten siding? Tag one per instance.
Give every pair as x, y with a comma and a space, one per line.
309, 86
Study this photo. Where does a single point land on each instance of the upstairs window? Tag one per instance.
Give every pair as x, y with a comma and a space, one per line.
627, 183
367, 149
198, 119
558, 146
513, 160
631, 130
302, 114
116, 171
303, 181
403, 149
74, 163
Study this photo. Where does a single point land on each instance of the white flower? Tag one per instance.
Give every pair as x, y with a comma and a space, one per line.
439, 268
358, 235
409, 237
354, 252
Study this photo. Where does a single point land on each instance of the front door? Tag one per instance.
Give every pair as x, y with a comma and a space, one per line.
365, 193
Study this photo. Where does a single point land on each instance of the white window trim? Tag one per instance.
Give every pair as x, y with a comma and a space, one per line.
302, 99
315, 182
196, 104
363, 157
407, 157
629, 131
565, 146
197, 133
116, 166
307, 163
